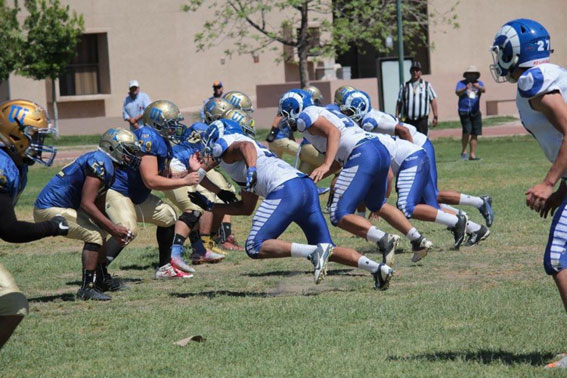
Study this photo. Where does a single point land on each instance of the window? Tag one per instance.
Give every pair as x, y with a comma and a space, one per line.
88, 73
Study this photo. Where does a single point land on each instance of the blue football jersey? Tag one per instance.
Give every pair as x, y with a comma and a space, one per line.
65, 188
13, 179
128, 181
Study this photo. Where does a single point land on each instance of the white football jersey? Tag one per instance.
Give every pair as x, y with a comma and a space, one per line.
399, 149
350, 136
376, 121
536, 81
271, 171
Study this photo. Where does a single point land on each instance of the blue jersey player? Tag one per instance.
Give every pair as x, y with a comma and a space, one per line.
290, 196
23, 127
521, 52
77, 193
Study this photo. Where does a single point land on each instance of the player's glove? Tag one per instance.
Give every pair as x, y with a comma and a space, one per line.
62, 227
251, 179
227, 196
271, 136
201, 201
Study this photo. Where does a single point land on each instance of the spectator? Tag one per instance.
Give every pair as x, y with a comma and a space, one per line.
134, 105
469, 91
415, 99
217, 92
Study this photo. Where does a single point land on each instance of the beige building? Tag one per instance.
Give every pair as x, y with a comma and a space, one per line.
152, 42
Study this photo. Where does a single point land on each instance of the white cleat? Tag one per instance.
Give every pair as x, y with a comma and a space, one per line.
420, 248
320, 258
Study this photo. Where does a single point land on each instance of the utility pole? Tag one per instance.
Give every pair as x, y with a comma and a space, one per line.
400, 41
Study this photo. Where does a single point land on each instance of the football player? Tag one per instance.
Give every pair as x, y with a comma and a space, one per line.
77, 193
239, 100
357, 103
521, 53
290, 196
23, 128
129, 199
364, 160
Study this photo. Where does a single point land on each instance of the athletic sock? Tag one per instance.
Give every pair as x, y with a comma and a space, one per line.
367, 264
449, 207
472, 227
102, 272
177, 246
470, 201
88, 277
302, 250
113, 249
374, 234
164, 236
224, 231
197, 243
447, 219
413, 234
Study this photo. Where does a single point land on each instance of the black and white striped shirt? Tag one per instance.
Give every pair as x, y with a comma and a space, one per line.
416, 99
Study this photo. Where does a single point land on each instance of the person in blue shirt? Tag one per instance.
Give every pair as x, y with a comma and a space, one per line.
134, 105
469, 91
129, 199
77, 193
23, 127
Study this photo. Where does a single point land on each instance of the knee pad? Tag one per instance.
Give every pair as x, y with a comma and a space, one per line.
252, 248
190, 218
92, 247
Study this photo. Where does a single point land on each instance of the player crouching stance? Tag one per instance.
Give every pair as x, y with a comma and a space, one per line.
77, 193
290, 196
23, 127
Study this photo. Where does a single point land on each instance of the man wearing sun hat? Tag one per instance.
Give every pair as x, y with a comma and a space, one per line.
469, 91
134, 105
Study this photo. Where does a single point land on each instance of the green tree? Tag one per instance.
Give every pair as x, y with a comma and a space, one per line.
51, 35
10, 39
346, 22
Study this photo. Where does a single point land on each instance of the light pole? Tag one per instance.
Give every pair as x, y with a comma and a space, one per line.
400, 41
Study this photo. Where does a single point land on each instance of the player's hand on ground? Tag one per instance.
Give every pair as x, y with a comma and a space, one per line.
194, 162
227, 196
553, 202
319, 172
191, 179
200, 200
538, 195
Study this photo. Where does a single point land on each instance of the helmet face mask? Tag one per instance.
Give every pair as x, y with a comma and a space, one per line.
23, 128
291, 105
521, 43
164, 116
214, 132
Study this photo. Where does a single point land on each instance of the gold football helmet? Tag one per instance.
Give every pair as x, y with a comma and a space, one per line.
121, 146
164, 116
23, 128
243, 119
215, 108
315, 93
341, 92
239, 100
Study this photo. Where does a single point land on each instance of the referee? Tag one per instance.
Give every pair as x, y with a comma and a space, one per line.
415, 100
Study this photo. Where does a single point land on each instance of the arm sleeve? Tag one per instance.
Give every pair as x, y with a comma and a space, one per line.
401, 94
125, 114
460, 86
14, 231
432, 93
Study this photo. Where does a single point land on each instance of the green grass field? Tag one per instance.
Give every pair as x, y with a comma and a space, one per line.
485, 311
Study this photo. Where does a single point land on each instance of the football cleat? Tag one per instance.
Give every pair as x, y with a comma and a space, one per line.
91, 293
212, 245
477, 236
319, 258
110, 283
167, 271
231, 244
420, 248
180, 264
486, 210
559, 364
387, 246
382, 277
209, 258
459, 230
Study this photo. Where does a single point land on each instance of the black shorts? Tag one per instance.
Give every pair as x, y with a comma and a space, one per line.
471, 123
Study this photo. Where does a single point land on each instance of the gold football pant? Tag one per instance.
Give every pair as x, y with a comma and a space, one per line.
309, 156
81, 227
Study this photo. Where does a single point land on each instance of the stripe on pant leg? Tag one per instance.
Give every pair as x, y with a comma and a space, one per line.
263, 214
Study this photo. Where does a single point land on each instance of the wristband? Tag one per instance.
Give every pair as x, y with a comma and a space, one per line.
202, 173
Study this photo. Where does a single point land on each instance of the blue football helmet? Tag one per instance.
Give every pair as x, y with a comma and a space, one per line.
214, 132
292, 104
519, 43
356, 104
193, 133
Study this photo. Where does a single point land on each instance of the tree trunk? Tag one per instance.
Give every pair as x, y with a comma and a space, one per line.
303, 47
55, 114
